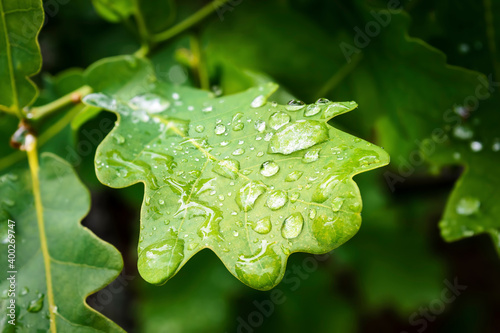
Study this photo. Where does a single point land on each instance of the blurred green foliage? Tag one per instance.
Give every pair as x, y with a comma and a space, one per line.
414, 73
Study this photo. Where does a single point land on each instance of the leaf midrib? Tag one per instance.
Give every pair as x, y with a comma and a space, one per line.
35, 178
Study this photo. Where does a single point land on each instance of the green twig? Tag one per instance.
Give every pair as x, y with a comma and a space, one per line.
44, 110
141, 25
189, 22
490, 32
199, 63
48, 134
339, 76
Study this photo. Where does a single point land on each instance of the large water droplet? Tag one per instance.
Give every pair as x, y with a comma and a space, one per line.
325, 189
293, 176
24, 291
220, 129
337, 203
238, 127
299, 135
237, 117
332, 231
258, 101
278, 120
228, 168
294, 196
276, 200
269, 168
159, 261
496, 145
476, 146
295, 105
118, 138
311, 155
468, 206
260, 125
249, 193
292, 226
312, 110
239, 151
335, 109
150, 103
262, 226
463, 132
260, 270
37, 304
101, 100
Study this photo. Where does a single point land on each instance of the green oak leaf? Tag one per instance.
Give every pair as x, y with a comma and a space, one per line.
80, 263
473, 138
251, 180
472, 208
20, 58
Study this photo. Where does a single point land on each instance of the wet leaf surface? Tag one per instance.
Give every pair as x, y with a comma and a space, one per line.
252, 180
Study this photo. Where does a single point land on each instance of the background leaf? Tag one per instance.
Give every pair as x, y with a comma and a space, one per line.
473, 139
114, 10
20, 23
78, 268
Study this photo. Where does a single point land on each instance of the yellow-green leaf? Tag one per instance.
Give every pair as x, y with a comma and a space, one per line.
251, 180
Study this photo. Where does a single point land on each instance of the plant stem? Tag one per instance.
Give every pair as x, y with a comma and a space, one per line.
340, 75
189, 22
52, 131
199, 65
141, 26
32, 153
490, 33
44, 110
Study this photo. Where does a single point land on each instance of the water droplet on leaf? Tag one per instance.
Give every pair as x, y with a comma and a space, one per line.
258, 101
312, 110
269, 168
337, 204
262, 226
150, 103
220, 129
278, 120
159, 261
293, 176
311, 155
468, 206
276, 200
228, 168
37, 304
260, 270
292, 226
295, 105
248, 194
476, 146
260, 125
